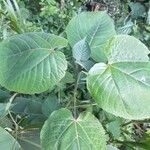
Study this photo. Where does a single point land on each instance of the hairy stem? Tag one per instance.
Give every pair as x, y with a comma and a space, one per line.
75, 94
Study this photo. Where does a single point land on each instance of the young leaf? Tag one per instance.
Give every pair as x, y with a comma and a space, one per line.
81, 53
29, 63
62, 131
97, 27
7, 141
122, 87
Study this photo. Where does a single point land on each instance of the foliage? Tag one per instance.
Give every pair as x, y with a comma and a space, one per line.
72, 79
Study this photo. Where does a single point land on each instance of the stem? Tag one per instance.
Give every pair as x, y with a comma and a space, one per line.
75, 94
84, 106
10, 102
127, 123
16, 128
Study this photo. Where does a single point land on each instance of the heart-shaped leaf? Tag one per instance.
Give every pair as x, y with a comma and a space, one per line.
96, 27
62, 131
30, 64
7, 142
122, 87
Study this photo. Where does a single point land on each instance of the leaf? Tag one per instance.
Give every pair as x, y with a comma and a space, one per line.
137, 9
127, 28
125, 48
50, 104
87, 65
4, 95
148, 17
110, 147
68, 78
81, 51
81, 54
7, 141
122, 87
62, 131
30, 140
2, 110
6, 122
30, 64
96, 27
30, 106
114, 128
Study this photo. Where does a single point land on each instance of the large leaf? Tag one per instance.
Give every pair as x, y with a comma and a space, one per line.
7, 142
29, 63
122, 87
62, 131
97, 27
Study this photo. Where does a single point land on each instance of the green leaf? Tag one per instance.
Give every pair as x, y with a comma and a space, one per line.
68, 78
7, 142
30, 64
137, 9
110, 147
4, 95
6, 122
81, 54
125, 48
148, 17
2, 109
50, 104
27, 106
127, 28
122, 87
62, 131
114, 128
81, 51
96, 27
30, 140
